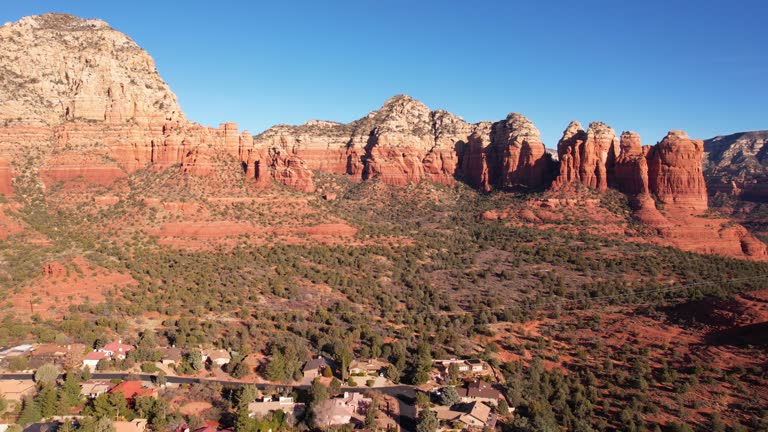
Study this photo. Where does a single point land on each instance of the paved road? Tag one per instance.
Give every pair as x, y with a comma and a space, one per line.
405, 395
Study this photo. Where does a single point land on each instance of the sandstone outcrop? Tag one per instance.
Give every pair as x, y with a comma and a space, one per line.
404, 142
59, 67
587, 157
631, 178
85, 102
675, 174
400, 143
508, 153
737, 165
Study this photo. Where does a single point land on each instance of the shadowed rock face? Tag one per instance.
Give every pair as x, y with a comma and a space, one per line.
587, 157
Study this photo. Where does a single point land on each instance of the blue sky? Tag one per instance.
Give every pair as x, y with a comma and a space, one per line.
650, 66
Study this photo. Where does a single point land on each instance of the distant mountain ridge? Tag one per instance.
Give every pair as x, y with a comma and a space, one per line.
737, 164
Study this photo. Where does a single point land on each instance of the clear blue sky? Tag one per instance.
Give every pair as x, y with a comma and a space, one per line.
648, 66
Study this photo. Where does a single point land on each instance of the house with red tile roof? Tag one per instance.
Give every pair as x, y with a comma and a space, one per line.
116, 350
131, 389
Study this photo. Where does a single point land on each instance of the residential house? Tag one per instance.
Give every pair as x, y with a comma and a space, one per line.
170, 355
372, 367
475, 365
94, 388
135, 425
16, 351
341, 411
91, 360
116, 350
42, 427
314, 368
218, 357
267, 405
480, 391
132, 389
479, 416
476, 415
461, 365
16, 390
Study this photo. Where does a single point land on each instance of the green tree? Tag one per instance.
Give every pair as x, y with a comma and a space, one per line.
247, 394
422, 363
392, 373
427, 421
422, 400
318, 392
240, 370
449, 396
30, 411
46, 375
503, 408
195, 360
47, 401
69, 395
276, 367
454, 373
92, 424
343, 357
335, 386
371, 414
243, 421
161, 380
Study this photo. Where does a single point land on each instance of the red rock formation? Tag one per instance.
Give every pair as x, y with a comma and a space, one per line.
475, 162
675, 172
506, 154
401, 143
587, 157
631, 178
6, 182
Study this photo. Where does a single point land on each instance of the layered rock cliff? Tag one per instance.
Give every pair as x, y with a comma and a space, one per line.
86, 102
587, 157
737, 165
675, 172
401, 143
57, 67
90, 103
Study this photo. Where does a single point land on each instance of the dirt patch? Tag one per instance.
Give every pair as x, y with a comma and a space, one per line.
66, 283
195, 408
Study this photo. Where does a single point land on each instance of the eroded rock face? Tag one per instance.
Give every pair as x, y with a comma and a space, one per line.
737, 165
59, 67
87, 103
508, 153
675, 172
400, 143
587, 157
404, 142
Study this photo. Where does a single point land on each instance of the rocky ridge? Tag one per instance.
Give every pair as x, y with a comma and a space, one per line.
737, 165
88, 103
